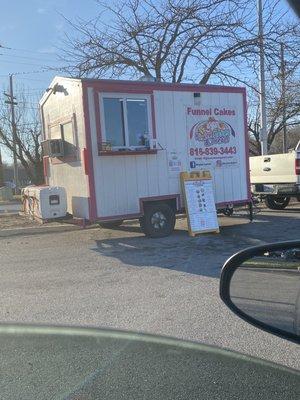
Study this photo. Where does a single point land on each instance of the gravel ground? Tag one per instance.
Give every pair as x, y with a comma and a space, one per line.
120, 279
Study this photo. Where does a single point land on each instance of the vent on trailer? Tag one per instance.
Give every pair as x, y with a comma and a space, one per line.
53, 148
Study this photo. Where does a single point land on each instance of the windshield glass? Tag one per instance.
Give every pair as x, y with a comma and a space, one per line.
65, 363
143, 143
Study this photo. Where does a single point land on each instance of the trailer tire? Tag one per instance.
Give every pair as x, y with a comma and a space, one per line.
158, 220
277, 202
111, 224
228, 212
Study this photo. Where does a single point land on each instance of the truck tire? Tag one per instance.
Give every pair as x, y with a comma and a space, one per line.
111, 224
276, 202
158, 220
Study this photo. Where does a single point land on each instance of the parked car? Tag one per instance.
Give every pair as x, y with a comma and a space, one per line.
276, 178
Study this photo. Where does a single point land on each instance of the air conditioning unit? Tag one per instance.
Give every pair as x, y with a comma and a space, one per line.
53, 147
44, 202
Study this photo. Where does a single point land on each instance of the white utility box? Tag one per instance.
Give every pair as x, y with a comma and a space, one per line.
44, 202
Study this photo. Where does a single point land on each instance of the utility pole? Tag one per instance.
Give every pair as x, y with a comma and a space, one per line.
283, 96
13, 103
262, 83
1, 171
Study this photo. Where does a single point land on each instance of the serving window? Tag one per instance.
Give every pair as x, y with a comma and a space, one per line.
126, 122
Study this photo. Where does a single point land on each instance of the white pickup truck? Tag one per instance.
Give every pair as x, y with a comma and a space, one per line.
276, 178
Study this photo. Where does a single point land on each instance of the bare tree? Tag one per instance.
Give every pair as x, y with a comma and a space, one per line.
293, 138
28, 148
277, 119
204, 41
1, 171
175, 40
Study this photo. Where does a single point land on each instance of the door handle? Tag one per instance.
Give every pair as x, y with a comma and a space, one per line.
267, 169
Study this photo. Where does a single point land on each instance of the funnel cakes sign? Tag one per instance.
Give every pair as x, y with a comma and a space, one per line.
212, 138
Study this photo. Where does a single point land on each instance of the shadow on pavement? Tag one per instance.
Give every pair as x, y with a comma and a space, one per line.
203, 255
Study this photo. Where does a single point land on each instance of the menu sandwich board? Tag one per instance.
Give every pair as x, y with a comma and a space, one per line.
197, 188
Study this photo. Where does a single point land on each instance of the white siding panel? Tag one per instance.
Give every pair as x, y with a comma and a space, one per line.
219, 185
121, 185
123, 180
141, 171
152, 175
132, 187
70, 175
237, 183
162, 176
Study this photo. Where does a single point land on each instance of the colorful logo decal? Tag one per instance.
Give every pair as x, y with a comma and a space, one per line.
212, 132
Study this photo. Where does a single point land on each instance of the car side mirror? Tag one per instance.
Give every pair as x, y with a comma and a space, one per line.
262, 286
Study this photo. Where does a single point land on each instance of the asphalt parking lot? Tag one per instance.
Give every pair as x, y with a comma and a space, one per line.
120, 279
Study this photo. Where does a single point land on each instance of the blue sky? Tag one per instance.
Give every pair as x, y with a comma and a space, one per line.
30, 33
33, 29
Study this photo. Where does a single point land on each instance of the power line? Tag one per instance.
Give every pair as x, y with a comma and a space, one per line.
23, 63
28, 79
25, 50
28, 102
31, 108
29, 91
46, 69
28, 58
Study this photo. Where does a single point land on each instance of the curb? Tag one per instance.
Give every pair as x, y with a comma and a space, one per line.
8, 214
40, 230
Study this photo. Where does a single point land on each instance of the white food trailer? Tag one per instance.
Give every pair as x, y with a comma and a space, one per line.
118, 147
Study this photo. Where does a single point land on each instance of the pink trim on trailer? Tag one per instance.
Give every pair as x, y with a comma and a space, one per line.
153, 117
246, 145
85, 160
98, 121
157, 198
108, 85
130, 91
116, 217
89, 154
127, 153
142, 200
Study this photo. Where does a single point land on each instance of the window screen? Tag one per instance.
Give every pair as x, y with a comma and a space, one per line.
137, 118
114, 121
126, 121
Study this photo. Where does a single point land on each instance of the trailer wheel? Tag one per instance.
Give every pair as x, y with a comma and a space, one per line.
228, 212
276, 202
111, 224
158, 220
